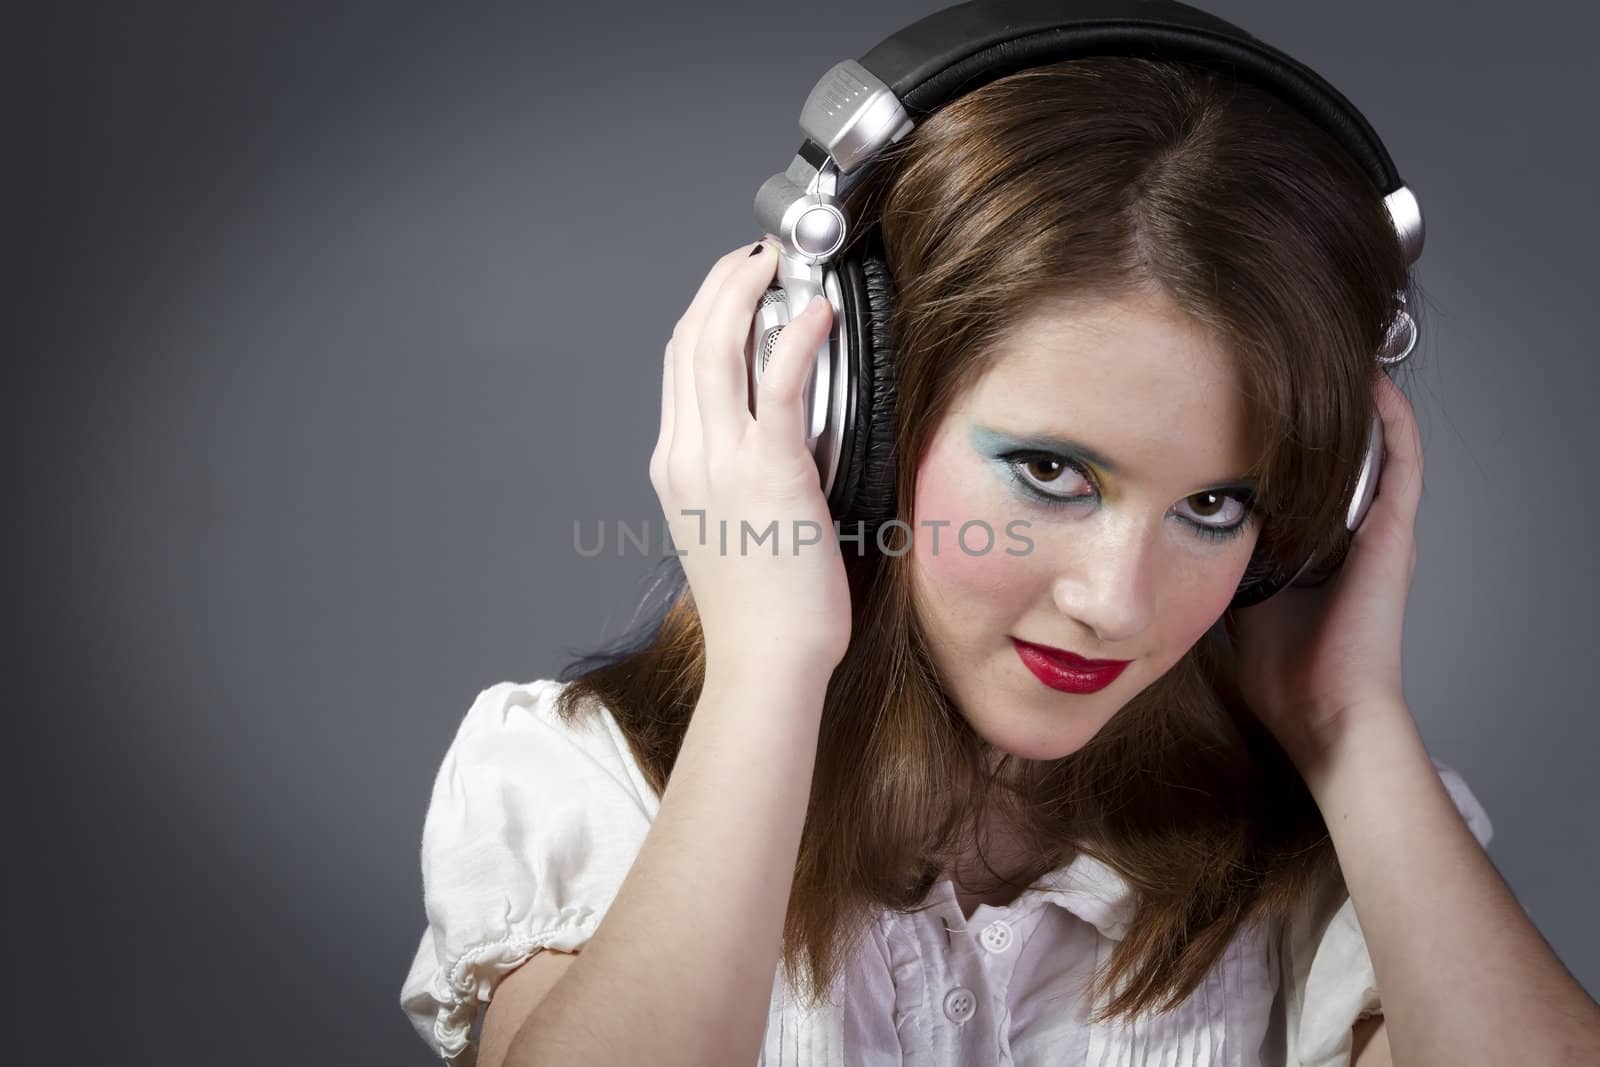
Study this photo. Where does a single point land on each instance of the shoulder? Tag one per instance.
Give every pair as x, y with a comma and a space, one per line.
525, 797
512, 733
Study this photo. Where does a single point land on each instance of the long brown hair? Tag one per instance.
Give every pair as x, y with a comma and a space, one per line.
1093, 176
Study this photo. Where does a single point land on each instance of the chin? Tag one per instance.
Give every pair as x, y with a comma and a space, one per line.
1036, 735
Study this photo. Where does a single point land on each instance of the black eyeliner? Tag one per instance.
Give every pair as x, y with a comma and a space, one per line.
1011, 453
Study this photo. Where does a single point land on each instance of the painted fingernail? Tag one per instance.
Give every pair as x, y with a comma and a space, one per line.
757, 249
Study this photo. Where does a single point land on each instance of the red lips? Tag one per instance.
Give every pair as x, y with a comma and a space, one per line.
1067, 671
1072, 659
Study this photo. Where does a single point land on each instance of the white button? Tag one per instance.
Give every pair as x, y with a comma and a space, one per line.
959, 1004
996, 937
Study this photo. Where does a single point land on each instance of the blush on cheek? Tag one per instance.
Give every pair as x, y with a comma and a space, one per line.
950, 496
979, 570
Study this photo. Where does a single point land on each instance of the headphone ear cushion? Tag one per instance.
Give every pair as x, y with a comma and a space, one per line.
1262, 578
867, 489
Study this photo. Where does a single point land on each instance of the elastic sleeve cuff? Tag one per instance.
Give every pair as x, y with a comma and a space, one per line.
443, 1001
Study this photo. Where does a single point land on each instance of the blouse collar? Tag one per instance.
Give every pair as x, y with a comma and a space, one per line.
1094, 892
1085, 887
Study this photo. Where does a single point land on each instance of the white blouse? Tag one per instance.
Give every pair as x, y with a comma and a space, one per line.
533, 824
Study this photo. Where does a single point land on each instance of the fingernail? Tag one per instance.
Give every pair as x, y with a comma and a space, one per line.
756, 250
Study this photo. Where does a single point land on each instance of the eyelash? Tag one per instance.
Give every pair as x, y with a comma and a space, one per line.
1017, 459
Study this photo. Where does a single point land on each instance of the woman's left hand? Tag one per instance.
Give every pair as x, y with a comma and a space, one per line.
1314, 661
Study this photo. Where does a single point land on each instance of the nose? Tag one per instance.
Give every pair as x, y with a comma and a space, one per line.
1109, 584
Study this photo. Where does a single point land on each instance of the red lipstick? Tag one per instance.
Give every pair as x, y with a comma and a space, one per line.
1063, 670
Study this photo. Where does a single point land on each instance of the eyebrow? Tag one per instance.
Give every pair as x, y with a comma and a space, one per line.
991, 440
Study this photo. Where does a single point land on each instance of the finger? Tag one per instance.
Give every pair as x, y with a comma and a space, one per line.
721, 377
687, 429
780, 397
695, 314
1401, 478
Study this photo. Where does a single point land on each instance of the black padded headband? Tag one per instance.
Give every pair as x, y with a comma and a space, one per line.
956, 50
859, 105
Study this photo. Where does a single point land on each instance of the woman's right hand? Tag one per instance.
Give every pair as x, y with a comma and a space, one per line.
713, 456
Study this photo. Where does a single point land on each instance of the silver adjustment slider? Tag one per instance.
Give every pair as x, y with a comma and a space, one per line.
852, 115
1406, 214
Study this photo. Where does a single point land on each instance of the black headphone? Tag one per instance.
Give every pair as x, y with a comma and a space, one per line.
860, 106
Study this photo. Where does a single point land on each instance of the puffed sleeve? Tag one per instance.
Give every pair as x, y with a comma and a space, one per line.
531, 827
1330, 982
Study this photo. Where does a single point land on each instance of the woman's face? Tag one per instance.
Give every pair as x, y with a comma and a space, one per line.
1148, 404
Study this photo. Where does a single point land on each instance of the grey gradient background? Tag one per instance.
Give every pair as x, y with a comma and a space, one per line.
328, 320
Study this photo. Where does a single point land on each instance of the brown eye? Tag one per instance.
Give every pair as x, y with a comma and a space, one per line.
1205, 509
1046, 470
1036, 472
1212, 503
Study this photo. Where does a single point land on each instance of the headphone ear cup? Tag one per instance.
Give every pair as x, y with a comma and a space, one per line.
865, 489
1263, 577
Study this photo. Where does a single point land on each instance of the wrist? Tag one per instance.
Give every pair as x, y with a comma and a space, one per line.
1361, 737
768, 671
1308, 734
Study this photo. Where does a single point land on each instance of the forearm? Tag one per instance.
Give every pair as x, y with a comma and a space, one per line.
681, 968
1464, 975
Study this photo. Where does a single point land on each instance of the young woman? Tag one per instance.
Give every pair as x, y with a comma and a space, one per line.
860, 802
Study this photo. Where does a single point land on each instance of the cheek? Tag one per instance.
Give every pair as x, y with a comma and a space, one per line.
1192, 616
1204, 597
972, 569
